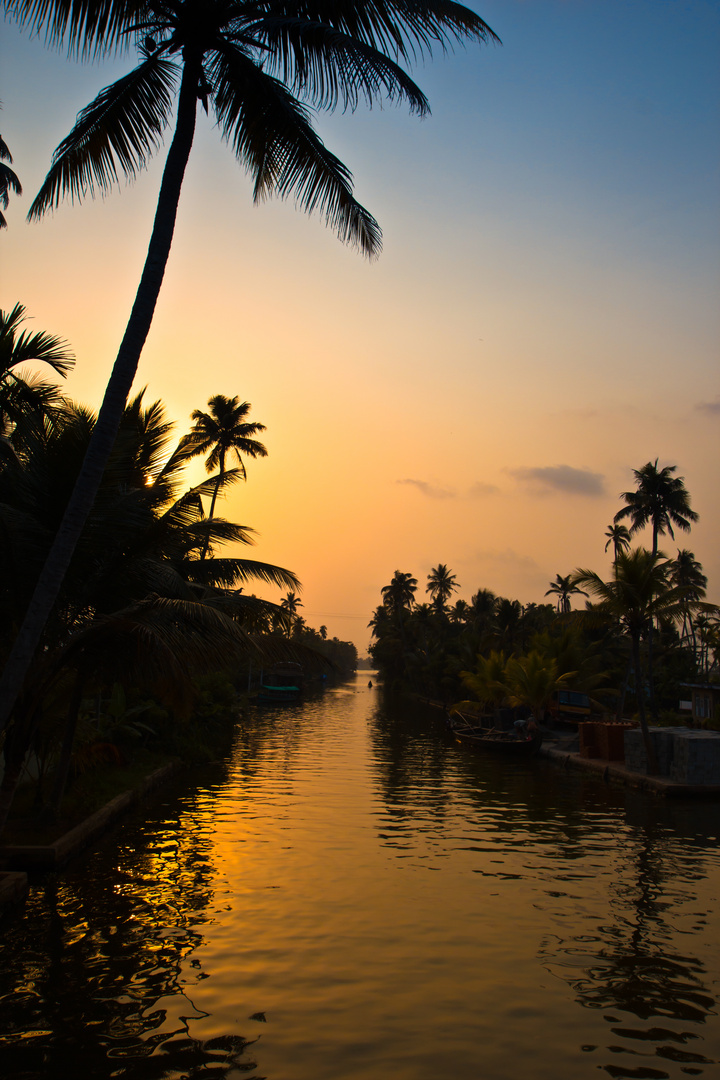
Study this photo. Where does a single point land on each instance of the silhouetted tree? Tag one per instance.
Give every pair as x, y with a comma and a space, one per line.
441, 584
9, 181
639, 592
225, 432
563, 588
661, 500
261, 69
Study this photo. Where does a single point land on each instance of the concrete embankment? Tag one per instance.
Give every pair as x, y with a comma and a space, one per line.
619, 773
16, 860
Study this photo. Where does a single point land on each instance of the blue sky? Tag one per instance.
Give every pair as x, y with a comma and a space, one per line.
543, 318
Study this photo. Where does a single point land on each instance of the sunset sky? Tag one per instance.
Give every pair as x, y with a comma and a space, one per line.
543, 319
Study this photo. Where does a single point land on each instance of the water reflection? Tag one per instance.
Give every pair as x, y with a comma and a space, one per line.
633, 965
375, 901
650, 858
103, 969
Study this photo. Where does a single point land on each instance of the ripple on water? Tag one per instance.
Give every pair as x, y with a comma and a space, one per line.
389, 905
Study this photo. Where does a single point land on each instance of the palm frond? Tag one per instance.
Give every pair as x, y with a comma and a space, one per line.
120, 129
26, 396
26, 347
228, 572
159, 642
5, 154
85, 27
9, 181
227, 479
329, 67
224, 532
272, 135
403, 30
151, 574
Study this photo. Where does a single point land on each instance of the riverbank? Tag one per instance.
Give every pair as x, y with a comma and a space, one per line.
17, 860
564, 753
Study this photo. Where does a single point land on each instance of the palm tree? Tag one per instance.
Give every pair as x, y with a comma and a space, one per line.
223, 431
459, 612
687, 572
146, 533
8, 181
481, 613
261, 68
532, 680
287, 615
563, 588
159, 644
487, 682
399, 595
707, 627
661, 500
619, 537
529, 680
398, 601
573, 656
138, 571
20, 392
291, 603
441, 584
505, 631
639, 592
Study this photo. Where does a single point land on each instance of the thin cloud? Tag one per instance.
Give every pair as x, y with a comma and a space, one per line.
506, 558
479, 489
430, 491
712, 408
563, 478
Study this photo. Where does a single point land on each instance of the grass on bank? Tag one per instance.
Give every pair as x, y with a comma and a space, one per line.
88, 793
98, 779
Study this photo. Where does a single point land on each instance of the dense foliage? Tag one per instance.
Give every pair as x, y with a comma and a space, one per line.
640, 637
152, 606
264, 71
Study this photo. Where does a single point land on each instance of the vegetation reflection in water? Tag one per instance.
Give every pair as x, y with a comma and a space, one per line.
391, 905
103, 964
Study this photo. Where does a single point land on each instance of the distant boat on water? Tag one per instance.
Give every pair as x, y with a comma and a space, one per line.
283, 682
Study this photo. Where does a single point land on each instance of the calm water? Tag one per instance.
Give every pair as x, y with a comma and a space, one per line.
352, 896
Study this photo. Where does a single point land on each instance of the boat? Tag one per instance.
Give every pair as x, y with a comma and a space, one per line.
498, 742
283, 683
493, 740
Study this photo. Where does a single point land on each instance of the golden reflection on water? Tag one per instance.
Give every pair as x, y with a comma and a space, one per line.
354, 896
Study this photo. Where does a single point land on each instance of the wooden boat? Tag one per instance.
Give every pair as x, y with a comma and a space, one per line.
477, 737
498, 742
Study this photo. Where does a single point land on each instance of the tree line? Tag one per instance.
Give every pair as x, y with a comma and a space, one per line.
262, 72
150, 601
643, 632
107, 558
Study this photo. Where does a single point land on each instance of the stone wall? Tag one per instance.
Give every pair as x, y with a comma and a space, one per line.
683, 754
696, 759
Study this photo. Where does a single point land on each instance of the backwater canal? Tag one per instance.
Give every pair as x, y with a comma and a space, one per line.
353, 896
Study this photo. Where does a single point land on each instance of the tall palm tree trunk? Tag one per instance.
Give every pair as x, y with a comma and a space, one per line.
206, 545
652, 765
620, 714
116, 394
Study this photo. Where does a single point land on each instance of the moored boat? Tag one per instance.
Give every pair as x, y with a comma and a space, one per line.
283, 683
495, 740
499, 742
